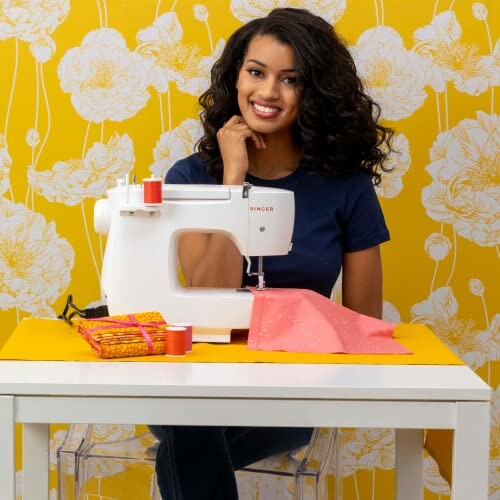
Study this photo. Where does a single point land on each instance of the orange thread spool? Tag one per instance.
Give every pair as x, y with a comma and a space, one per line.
152, 191
175, 341
189, 334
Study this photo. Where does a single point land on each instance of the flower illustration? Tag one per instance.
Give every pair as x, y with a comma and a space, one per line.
174, 145
246, 10
393, 76
479, 11
43, 311
368, 448
456, 61
33, 21
5, 164
71, 181
398, 162
55, 442
390, 313
200, 12
476, 287
493, 331
437, 246
43, 48
440, 313
174, 61
32, 137
112, 432
330, 10
35, 262
106, 81
336, 294
496, 73
494, 483
465, 165
433, 480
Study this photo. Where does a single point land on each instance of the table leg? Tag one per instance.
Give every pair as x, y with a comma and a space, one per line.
409, 464
7, 449
471, 452
36, 439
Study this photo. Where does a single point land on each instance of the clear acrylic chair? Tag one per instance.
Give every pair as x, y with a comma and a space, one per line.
84, 466
309, 466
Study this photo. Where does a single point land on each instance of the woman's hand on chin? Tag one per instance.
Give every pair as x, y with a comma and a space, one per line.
232, 139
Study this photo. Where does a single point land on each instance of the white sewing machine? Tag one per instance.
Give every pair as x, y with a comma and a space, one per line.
140, 267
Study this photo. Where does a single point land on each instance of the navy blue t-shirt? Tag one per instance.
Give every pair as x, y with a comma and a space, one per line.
333, 215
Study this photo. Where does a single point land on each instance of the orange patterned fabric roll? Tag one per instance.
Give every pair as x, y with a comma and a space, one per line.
125, 335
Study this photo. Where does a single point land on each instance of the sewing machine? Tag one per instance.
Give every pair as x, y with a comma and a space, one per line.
140, 267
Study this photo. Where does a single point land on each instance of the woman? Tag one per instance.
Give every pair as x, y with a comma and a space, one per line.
285, 109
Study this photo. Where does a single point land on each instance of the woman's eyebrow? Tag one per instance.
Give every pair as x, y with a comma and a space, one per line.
259, 63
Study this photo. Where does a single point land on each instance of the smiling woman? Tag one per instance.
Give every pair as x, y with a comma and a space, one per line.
285, 109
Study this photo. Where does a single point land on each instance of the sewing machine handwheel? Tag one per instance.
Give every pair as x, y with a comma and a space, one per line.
102, 216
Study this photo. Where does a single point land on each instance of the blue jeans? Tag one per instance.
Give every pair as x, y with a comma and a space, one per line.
198, 463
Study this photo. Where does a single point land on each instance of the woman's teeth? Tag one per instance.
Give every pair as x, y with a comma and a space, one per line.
265, 109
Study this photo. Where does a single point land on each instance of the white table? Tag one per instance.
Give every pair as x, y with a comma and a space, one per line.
407, 398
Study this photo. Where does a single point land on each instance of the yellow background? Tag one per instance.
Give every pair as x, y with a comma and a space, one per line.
31, 92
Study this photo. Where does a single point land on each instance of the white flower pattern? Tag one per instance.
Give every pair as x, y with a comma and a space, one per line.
33, 21
494, 483
71, 181
465, 167
105, 79
398, 162
433, 480
35, 262
5, 165
108, 81
175, 145
440, 312
246, 10
174, 61
367, 449
437, 246
393, 76
456, 61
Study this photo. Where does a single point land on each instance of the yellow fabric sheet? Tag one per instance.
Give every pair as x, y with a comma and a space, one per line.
54, 340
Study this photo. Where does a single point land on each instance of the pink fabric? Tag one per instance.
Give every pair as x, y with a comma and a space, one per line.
297, 320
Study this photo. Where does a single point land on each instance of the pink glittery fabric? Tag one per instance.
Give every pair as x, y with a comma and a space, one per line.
297, 320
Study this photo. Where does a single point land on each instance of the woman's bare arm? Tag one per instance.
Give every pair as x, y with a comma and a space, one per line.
362, 282
210, 260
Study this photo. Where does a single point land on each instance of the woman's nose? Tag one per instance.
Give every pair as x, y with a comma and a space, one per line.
270, 88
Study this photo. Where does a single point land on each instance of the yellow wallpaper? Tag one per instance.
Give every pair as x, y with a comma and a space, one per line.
93, 89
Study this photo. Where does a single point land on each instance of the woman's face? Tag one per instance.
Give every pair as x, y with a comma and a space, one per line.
267, 86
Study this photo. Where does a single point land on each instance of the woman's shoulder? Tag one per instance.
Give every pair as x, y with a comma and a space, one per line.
189, 170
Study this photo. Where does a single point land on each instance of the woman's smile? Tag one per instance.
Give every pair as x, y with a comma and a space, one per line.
265, 111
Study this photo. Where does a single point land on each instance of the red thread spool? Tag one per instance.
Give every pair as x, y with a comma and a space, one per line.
175, 341
189, 334
152, 191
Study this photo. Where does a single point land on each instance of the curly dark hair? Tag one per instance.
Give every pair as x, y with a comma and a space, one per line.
338, 125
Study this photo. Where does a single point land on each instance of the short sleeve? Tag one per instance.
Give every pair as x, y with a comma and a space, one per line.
363, 223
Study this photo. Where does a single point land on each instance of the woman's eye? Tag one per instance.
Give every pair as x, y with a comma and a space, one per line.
254, 72
290, 80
